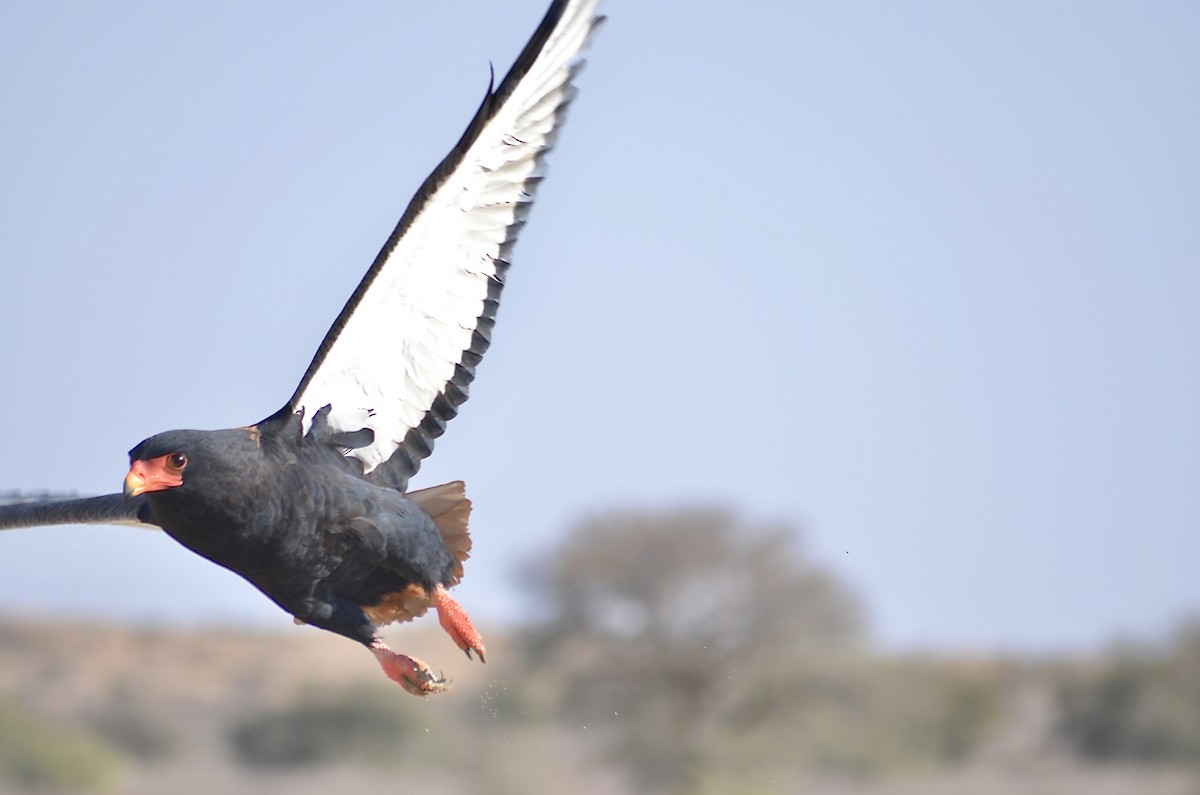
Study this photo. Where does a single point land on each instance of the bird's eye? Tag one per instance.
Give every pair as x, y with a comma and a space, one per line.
176, 462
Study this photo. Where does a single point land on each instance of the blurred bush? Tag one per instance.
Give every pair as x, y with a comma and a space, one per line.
37, 756
358, 724
1141, 704
136, 732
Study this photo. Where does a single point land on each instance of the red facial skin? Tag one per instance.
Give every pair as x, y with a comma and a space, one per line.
156, 474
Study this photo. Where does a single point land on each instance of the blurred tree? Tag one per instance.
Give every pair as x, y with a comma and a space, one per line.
1143, 705
674, 629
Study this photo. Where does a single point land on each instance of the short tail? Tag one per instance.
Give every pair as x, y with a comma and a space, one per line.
450, 510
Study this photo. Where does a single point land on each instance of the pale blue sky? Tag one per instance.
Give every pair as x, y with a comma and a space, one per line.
922, 279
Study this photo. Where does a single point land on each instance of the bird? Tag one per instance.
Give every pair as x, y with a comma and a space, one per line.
311, 504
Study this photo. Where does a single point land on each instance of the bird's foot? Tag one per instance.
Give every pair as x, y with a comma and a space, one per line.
456, 623
410, 673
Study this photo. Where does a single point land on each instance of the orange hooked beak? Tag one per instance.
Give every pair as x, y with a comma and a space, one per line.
152, 475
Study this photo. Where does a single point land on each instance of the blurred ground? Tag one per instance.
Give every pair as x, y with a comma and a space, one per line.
164, 707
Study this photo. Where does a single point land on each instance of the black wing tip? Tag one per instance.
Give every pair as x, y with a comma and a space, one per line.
21, 497
23, 509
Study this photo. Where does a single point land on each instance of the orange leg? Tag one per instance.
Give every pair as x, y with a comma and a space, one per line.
410, 673
456, 623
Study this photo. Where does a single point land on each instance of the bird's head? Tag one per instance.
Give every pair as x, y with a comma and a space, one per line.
159, 463
168, 460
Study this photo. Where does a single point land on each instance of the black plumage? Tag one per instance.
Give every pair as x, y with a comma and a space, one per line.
290, 514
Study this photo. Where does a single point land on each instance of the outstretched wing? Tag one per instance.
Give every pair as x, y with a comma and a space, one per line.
400, 356
28, 509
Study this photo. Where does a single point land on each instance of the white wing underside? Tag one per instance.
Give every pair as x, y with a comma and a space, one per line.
401, 344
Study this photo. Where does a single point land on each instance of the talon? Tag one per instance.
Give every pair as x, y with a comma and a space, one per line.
456, 623
410, 673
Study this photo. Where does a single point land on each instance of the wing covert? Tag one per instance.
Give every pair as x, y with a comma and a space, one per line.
401, 354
